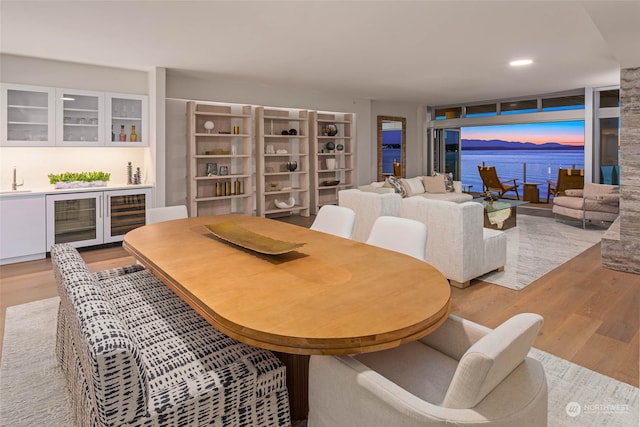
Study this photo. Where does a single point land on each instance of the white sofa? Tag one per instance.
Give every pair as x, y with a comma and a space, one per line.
368, 206
458, 245
429, 187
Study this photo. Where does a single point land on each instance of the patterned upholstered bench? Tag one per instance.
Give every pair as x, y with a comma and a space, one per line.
135, 354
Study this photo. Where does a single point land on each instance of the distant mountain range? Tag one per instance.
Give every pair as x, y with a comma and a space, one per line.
498, 144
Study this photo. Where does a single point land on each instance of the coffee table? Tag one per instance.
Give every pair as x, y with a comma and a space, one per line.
501, 214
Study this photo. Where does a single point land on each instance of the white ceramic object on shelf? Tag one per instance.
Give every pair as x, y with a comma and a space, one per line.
331, 164
209, 125
285, 204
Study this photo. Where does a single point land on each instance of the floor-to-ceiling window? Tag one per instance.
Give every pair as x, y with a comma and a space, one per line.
449, 155
592, 147
606, 125
531, 152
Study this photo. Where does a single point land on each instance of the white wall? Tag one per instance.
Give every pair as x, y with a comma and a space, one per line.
70, 75
34, 164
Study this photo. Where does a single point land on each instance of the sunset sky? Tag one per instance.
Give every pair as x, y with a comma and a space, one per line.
569, 133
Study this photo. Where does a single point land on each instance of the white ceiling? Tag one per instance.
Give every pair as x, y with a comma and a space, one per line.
428, 52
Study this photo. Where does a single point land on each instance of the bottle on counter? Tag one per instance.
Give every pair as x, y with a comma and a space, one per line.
133, 137
123, 136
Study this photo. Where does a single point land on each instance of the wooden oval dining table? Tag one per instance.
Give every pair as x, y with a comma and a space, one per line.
329, 296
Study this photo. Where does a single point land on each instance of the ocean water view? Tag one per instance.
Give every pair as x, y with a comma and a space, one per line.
541, 166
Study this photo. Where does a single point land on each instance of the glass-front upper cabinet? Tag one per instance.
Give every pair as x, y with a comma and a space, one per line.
79, 118
126, 120
28, 114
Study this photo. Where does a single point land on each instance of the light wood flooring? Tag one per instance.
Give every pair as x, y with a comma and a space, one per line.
591, 313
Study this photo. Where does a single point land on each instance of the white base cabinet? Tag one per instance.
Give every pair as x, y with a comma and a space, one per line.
22, 228
96, 217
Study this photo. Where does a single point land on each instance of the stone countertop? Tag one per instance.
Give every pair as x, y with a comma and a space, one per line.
31, 192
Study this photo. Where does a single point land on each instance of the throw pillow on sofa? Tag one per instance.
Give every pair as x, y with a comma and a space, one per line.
412, 186
397, 186
448, 180
434, 184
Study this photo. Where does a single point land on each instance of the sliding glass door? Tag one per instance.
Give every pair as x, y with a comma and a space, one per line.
447, 151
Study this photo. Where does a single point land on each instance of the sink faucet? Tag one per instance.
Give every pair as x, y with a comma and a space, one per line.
14, 184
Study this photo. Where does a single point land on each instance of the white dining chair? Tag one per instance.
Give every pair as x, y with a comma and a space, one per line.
165, 213
402, 235
336, 220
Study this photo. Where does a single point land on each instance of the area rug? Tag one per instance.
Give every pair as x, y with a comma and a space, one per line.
537, 245
33, 390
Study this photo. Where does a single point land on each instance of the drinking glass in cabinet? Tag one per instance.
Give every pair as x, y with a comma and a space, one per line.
27, 115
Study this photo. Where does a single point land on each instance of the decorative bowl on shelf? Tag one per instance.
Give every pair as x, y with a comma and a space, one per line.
331, 182
293, 132
286, 204
284, 132
292, 166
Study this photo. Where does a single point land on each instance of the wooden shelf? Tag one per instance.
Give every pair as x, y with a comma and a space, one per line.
201, 188
345, 159
270, 123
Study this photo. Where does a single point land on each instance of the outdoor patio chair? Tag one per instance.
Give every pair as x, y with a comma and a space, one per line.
491, 182
567, 179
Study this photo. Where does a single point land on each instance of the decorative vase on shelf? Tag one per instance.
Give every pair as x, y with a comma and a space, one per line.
292, 166
330, 130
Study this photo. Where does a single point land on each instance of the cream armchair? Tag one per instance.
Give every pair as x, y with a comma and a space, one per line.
596, 202
461, 374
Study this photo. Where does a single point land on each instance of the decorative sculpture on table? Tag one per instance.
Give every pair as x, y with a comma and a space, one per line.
489, 197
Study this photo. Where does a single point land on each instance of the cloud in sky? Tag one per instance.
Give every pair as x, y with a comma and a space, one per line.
569, 133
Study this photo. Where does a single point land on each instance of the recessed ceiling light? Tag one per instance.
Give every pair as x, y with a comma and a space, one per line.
520, 62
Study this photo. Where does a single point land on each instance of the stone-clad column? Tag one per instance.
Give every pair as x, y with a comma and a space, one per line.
621, 244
